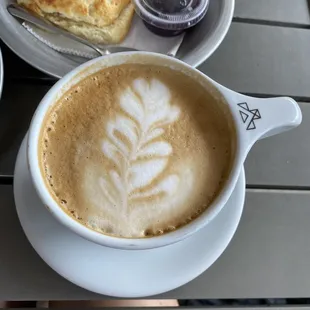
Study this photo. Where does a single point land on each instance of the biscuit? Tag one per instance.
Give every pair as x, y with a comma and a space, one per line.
100, 21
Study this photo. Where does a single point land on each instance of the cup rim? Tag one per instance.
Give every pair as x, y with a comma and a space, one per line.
95, 236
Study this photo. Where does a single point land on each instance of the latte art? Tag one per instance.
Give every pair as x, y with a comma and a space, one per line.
135, 151
135, 145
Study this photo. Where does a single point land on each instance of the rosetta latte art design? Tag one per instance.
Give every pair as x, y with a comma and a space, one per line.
135, 145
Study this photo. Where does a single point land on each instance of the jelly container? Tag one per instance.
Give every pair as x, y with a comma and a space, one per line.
171, 17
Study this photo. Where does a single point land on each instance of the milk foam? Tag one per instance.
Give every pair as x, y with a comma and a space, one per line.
135, 145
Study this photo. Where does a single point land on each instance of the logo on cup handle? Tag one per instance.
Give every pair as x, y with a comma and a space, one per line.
249, 116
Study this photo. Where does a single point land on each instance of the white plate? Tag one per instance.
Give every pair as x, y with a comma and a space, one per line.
198, 44
117, 272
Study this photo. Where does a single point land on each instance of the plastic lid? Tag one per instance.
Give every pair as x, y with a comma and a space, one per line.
172, 14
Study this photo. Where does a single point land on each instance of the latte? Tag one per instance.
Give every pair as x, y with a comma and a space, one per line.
136, 151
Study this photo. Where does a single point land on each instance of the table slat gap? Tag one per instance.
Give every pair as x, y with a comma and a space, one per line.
270, 23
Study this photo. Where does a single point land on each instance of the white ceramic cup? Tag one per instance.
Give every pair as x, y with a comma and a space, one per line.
253, 118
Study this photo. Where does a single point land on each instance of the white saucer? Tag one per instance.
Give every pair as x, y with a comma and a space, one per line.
115, 272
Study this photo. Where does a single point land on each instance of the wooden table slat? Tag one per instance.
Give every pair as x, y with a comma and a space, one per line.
283, 11
261, 59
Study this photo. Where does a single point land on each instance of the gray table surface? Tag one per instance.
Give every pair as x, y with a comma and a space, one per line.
266, 53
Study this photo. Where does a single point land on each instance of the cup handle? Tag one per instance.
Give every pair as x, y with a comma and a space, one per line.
260, 118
